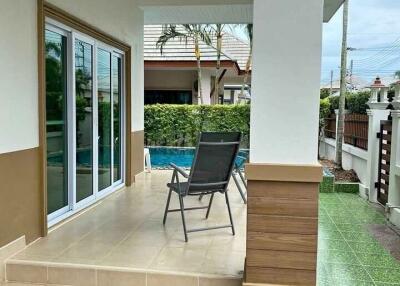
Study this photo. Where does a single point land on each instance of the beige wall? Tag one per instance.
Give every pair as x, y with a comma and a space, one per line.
20, 196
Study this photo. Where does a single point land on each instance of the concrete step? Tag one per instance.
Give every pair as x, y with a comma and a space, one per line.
49, 273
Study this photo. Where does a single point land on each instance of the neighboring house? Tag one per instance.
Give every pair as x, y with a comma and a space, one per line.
171, 76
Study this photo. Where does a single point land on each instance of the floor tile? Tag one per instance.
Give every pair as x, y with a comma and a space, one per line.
338, 256
385, 275
366, 247
378, 259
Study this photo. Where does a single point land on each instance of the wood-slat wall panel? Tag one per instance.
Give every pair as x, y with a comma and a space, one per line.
282, 241
285, 207
292, 190
281, 224
282, 232
280, 276
281, 259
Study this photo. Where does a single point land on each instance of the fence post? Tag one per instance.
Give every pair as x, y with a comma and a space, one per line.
376, 113
394, 179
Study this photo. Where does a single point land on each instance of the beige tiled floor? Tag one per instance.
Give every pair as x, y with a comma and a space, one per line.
125, 230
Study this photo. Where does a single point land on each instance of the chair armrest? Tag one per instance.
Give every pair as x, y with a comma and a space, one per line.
179, 170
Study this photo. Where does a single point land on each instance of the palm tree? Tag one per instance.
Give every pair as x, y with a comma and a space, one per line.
188, 32
217, 31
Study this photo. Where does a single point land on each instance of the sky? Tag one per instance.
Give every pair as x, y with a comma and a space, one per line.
374, 29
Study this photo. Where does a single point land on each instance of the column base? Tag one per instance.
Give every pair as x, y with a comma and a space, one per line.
282, 224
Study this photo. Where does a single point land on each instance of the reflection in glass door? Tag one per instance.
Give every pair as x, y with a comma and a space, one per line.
104, 118
84, 119
56, 123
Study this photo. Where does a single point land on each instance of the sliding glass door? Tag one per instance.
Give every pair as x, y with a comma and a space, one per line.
85, 120
56, 121
104, 118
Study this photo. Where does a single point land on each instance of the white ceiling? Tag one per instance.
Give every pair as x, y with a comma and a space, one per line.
209, 11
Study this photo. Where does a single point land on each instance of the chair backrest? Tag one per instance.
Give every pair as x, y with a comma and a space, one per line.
213, 162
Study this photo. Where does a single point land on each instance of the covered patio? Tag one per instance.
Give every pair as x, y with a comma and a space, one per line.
124, 232
120, 239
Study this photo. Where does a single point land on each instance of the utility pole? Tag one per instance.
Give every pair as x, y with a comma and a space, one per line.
343, 87
330, 91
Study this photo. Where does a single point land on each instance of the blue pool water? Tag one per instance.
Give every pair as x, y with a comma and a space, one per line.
161, 157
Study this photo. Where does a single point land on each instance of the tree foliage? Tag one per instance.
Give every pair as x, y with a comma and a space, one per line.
355, 102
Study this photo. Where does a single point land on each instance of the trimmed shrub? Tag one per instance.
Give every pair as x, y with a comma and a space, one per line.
179, 125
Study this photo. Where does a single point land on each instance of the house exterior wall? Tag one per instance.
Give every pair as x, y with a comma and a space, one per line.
18, 76
21, 203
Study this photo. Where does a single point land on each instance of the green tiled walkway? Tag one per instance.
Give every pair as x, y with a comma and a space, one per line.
347, 253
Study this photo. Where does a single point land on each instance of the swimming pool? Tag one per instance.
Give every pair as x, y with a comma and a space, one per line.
161, 157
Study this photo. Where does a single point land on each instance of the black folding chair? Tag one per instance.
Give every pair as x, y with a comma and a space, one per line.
210, 173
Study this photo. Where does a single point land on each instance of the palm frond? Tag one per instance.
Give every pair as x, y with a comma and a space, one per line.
170, 32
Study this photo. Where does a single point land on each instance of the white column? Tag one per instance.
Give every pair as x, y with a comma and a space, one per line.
206, 85
375, 117
394, 180
285, 102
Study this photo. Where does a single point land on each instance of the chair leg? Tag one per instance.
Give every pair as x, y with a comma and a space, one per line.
229, 210
239, 188
243, 178
183, 216
209, 205
167, 206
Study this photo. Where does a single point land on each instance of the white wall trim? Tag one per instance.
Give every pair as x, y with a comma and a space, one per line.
355, 151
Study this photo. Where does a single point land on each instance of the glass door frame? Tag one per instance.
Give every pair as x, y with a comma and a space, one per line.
73, 206
113, 52
69, 85
89, 200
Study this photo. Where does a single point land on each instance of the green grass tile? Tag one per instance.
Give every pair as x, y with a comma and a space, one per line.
351, 227
384, 275
357, 236
337, 244
366, 247
329, 234
382, 259
339, 219
338, 256
343, 282
347, 272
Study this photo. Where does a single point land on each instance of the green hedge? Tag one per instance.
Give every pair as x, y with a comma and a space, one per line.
179, 125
